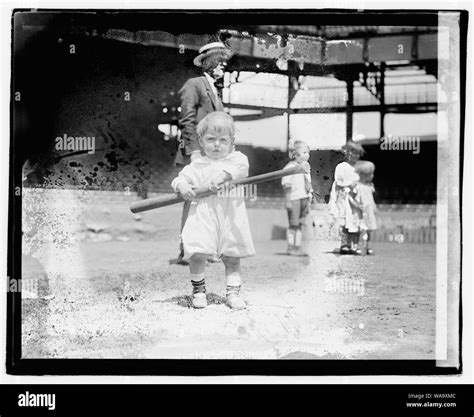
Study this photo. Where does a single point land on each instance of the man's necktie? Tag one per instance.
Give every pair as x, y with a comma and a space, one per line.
219, 84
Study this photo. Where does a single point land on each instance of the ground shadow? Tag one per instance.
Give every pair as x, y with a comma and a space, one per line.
186, 300
175, 261
337, 252
185, 262
290, 256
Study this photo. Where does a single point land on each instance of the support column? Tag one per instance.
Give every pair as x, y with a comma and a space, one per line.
349, 109
382, 99
288, 111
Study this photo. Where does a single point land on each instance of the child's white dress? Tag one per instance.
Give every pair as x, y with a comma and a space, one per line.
217, 224
345, 177
366, 198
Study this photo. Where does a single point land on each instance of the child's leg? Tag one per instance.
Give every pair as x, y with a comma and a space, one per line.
345, 244
303, 213
356, 240
349, 239
294, 224
298, 237
298, 241
197, 266
369, 249
353, 241
364, 236
233, 282
291, 238
184, 216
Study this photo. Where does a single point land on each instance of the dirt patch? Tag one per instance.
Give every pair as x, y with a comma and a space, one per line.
130, 302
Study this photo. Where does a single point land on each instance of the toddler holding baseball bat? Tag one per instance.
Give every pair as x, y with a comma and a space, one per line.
217, 224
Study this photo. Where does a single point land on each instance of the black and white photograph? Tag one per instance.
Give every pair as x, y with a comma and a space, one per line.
279, 186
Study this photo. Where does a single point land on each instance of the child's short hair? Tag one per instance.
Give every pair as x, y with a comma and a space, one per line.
218, 121
354, 147
295, 146
364, 168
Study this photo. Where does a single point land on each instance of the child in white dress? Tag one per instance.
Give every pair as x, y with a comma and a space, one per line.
342, 203
365, 194
217, 224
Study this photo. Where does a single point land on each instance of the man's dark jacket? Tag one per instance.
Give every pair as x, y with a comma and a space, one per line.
197, 101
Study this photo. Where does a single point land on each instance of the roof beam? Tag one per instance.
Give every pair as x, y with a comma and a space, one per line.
406, 108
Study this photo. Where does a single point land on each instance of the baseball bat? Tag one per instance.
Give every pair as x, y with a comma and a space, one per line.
169, 199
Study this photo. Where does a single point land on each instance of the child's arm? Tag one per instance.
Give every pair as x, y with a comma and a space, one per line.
287, 191
218, 180
184, 182
373, 193
355, 200
237, 167
333, 211
354, 203
286, 184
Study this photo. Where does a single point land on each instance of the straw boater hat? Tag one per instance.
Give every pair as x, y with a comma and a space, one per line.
208, 50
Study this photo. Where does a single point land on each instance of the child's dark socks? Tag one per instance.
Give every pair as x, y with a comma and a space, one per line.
199, 286
199, 290
199, 282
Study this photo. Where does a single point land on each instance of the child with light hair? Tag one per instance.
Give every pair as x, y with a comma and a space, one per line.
365, 196
217, 224
298, 194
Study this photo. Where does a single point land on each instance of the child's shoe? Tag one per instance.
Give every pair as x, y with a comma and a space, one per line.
370, 251
234, 300
355, 250
199, 300
345, 250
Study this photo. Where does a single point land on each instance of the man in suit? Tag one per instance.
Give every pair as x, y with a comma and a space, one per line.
199, 96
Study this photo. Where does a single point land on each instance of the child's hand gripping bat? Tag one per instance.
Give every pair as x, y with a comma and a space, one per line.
169, 199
